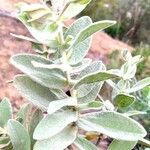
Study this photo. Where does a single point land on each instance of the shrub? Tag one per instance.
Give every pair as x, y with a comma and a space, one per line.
64, 86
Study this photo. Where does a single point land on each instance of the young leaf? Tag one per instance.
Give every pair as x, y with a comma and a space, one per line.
122, 145
77, 53
112, 124
90, 95
41, 31
73, 9
53, 124
19, 136
5, 112
81, 66
58, 104
91, 105
91, 29
38, 95
59, 141
83, 144
95, 77
88, 92
51, 78
123, 100
139, 85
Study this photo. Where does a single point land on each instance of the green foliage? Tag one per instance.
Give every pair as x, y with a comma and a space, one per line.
65, 86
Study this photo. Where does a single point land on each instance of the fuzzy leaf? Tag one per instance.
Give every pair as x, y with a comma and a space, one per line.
59, 141
91, 29
91, 105
139, 85
34, 92
122, 145
58, 104
112, 124
39, 30
74, 8
95, 77
19, 136
5, 112
77, 53
83, 144
123, 100
53, 124
51, 78
88, 93
81, 66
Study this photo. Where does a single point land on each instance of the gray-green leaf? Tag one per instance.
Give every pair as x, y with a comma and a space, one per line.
54, 123
19, 136
91, 29
112, 124
51, 78
5, 112
58, 104
34, 92
77, 53
122, 145
139, 85
60, 141
73, 9
95, 77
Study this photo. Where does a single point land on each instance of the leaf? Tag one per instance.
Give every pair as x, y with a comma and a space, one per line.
91, 105
123, 100
81, 66
73, 9
58, 104
122, 145
83, 144
139, 85
53, 124
37, 94
77, 53
41, 31
51, 78
19, 136
88, 92
59, 141
112, 124
36, 117
133, 113
5, 112
24, 114
35, 15
91, 29
95, 77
